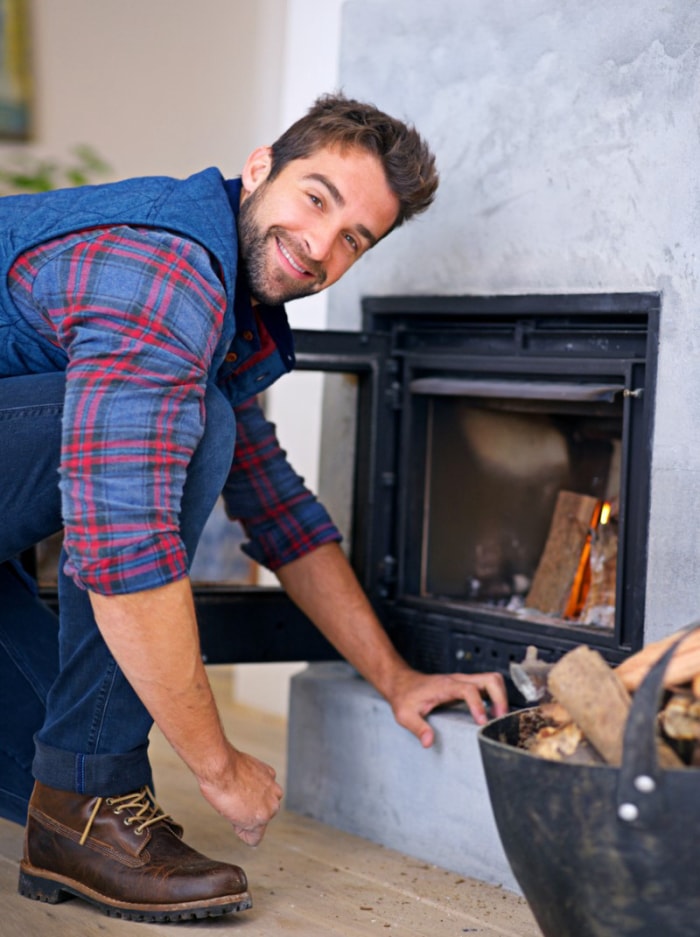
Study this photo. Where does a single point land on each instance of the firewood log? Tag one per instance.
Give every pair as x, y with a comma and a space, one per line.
554, 713
680, 717
564, 743
589, 689
560, 562
599, 704
599, 607
684, 666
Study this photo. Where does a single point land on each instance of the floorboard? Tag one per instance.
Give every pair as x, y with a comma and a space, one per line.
307, 879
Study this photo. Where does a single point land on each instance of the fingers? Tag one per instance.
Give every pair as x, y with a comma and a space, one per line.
250, 837
473, 699
431, 691
495, 686
492, 686
253, 834
248, 796
417, 726
480, 685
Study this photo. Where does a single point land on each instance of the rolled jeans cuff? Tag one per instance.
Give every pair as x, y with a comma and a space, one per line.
95, 775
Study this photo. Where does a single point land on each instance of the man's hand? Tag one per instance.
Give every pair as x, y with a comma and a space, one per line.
154, 638
247, 795
416, 695
324, 586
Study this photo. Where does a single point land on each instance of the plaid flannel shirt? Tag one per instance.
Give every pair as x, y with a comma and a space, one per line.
138, 314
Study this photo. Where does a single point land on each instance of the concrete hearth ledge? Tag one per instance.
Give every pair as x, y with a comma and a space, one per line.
351, 766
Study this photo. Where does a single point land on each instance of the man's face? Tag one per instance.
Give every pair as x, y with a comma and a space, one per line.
300, 232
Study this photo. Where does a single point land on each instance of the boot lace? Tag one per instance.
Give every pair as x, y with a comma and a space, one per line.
143, 802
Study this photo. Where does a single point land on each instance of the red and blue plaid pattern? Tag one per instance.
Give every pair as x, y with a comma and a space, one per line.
138, 313
281, 516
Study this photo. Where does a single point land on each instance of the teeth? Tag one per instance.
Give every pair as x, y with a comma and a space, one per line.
289, 257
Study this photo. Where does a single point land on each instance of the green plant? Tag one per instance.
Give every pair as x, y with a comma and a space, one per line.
26, 172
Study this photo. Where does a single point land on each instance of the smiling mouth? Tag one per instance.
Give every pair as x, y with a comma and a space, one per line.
293, 263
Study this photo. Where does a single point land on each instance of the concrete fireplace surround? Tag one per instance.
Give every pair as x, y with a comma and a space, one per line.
566, 134
350, 765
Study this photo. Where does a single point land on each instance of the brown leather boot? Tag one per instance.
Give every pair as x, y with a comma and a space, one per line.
124, 855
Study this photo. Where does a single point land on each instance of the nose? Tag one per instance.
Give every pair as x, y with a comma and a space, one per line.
320, 240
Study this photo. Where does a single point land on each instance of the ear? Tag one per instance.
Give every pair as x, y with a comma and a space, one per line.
257, 168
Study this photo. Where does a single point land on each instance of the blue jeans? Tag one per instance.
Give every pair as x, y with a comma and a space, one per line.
70, 718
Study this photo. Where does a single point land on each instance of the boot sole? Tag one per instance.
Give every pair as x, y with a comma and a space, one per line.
51, 888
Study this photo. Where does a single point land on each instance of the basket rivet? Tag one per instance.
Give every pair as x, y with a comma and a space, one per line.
645, 784
628, 812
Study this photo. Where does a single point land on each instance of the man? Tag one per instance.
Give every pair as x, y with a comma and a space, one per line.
138, 320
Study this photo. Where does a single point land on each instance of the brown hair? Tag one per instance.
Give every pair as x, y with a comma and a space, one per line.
334, 120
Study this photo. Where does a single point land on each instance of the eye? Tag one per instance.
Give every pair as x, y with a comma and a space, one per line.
315, 200
352, 243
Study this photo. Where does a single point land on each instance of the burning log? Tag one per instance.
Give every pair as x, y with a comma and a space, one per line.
564, 561
599, 605
576, 577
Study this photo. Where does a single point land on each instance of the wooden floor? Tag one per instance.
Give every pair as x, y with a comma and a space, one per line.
306, 879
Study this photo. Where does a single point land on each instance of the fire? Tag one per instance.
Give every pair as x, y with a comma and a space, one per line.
582, 579
576, 575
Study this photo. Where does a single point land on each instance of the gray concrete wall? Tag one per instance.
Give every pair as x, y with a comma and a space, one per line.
352, 766
566, 133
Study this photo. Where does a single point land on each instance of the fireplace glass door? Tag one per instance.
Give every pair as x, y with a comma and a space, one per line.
500, 458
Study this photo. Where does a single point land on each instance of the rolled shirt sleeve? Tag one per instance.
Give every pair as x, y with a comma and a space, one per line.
138, 314
281, 517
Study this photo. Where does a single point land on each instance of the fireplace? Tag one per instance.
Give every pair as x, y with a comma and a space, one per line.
522, 427
493, 457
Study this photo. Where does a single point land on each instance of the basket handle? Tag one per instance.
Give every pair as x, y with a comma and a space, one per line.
640, 793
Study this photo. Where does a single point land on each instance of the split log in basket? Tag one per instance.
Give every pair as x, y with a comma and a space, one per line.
598, 703
684, 666
592, 702
680, 717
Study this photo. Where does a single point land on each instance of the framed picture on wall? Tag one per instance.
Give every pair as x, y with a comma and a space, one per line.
15, 71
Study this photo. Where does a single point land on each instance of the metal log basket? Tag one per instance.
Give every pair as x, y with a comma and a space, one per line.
601, 851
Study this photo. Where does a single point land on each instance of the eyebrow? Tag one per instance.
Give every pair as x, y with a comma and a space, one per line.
337, 197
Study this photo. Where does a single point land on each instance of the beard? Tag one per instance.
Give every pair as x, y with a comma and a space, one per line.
268, 284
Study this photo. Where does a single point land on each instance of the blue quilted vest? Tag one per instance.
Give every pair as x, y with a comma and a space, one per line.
203, 207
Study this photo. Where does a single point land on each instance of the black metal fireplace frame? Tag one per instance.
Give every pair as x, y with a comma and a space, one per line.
593, 337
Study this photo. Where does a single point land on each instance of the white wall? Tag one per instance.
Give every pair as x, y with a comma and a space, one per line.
310, 68
158, 86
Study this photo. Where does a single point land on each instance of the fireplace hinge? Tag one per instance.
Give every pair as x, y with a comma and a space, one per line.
394, 397
387, 576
